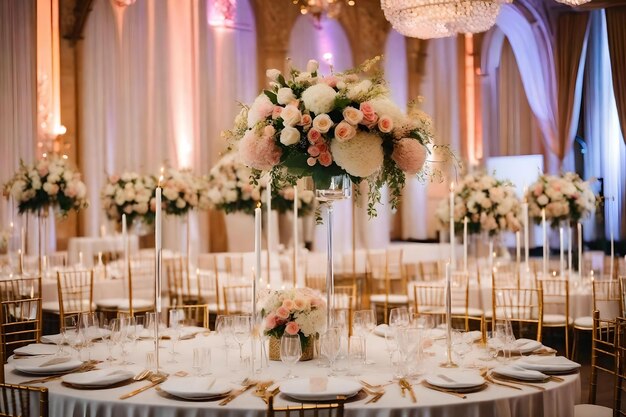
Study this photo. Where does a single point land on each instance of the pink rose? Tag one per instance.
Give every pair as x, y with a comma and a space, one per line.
325, 159
385, 124
369, 114
313, 151
288, 304
292, 328
259, 152
270, 321
344, 131
276, 112
311, 161
282, 312
269, 131
316, 302
538, 190
331, 81
314, 136
71, 190
306, 120
322, 147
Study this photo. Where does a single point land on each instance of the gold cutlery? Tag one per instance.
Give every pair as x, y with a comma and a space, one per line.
456, 394
88, 366
247, 384
555, 378
155, 380
376, 395
409, 388
516, 382
402, 389
493, 381
372, 386
142, 375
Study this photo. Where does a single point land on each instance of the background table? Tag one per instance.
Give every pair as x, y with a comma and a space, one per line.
557, 400
90, 246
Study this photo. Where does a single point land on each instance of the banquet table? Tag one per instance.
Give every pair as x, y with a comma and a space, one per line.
90, 246
558, 399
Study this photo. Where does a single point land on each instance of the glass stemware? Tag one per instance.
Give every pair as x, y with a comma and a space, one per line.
176, 318
503, 331
290, 351
330, 344
364, 323
241, 330
399, 317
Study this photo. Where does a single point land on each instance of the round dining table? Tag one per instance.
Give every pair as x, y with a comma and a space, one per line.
553, 398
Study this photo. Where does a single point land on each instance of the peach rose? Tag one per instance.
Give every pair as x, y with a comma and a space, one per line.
276, 112
113, 178
292, 328
282, 312
313, 151
270, 321
288, 304
300, 303
369, 114
311, 161
331, 81
306, 120
314, 136
352, 115
325, 159
322, 122
269, 131
344, 131
385, 124
291, 115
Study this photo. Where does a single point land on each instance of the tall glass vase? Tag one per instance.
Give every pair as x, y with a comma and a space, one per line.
337, 188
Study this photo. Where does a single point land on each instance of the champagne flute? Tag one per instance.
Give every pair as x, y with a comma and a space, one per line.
364, 324
290, 351
242, 329
175, 326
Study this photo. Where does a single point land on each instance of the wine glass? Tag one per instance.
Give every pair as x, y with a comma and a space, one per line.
123, 338
223, 327
364, 324
88, 325
72, 334
504, 333
460, 345
290, 351
399, 317
330, 343
105, 335
241, 330
176, 317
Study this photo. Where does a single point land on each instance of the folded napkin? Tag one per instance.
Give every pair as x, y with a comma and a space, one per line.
36, 349
548, 363
518, 372
455, 379
51, 339
55, 361
525, 345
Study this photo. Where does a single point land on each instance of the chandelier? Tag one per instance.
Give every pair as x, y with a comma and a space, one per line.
573, 2
317, 8
427, 19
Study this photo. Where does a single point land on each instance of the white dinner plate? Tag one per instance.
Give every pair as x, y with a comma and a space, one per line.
99, 378
47, 365
517, 372
196, 388
455, 379
548, 364
319, 388
36, 349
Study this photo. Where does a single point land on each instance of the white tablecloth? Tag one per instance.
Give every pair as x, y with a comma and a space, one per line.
557, 400
90, 246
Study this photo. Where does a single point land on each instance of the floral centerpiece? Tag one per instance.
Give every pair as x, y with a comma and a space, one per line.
129, 193
183, 191
565, 198
230, 190
48, 183
298, 311
309, 125
489, 204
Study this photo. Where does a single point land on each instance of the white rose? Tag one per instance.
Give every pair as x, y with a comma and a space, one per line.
304, 77
180, 203
129, 194
285, 95
322, 123
359, 89
312, 66
231, 196
319, 98
272, 74
53, 178
289, 136
170, 193
291, 115
119, 199
542, 200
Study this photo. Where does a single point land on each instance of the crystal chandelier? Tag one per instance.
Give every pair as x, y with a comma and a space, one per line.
317, 8
427, 19
573, 2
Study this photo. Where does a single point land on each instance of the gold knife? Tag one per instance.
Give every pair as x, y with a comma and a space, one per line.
236, 394
408, 386
154, 383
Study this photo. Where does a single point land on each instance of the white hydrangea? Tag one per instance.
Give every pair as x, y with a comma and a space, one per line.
319, 98
311, 321
383, 106
362, 156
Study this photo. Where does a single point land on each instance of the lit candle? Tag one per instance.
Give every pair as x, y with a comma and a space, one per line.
295, 234
268, 205
526, 230
561, 252
465, 243
452, 252
23, 240
80, 258
257, 253
612, 238
544, 228
518, 245
125, 244
569, 251
579, 226
157, 246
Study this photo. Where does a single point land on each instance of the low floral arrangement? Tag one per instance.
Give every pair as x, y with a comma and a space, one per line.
309, 125
131, 194
565, 198
230, 190
489, 204
298, 311
183, 191
48, 183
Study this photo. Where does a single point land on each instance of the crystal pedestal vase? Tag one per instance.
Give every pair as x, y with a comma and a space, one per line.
336, 188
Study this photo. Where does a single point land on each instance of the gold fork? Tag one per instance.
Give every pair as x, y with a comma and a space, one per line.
154, 381
376, 395
247, 384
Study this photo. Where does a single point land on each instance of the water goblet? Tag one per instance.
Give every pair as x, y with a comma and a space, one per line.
330, 344
290, 351
241, 330
364, 324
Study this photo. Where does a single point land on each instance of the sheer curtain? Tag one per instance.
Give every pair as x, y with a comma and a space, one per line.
159, 85
18, 91
606, 151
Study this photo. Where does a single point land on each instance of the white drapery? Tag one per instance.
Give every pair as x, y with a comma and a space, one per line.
159, 84
606, 152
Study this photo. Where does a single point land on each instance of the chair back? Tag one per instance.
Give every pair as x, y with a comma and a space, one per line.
75, 292
315, 410
237, 299
607, 298
603, 351
430, 271
555, 296
521, 305
20, 314
234, 266
17, 401
178, 281
195, 314
209, 288
315, 280
620, 368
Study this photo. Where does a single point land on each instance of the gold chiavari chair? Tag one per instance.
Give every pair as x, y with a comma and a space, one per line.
315, 280
233, 264
622, 292
430, 271
75, 292
606, 296
18, 401
620, 369
140, 290
523, 306
195, 314
387, 284
314, 410
179, 286
208, 288
20, 314
56, 260
603, 351
411, 272
237, 299
556, 306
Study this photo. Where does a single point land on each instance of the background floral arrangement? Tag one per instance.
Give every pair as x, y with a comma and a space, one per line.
130, 194
490, 205
183, 191
49, 182
230, 190
565, 198
298, 311
311, 125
